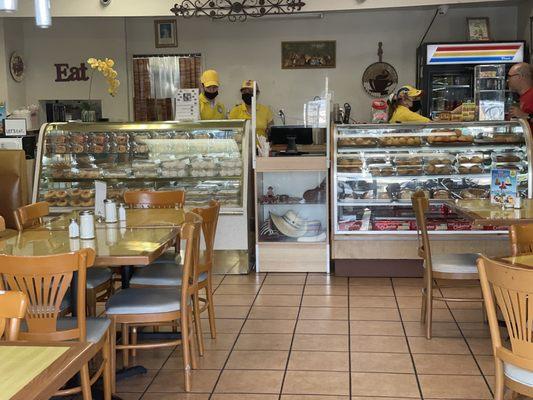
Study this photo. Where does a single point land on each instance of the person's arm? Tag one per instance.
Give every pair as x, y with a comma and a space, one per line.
415, 117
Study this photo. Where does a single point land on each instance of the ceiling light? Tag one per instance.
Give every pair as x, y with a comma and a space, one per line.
8, 5
43, 16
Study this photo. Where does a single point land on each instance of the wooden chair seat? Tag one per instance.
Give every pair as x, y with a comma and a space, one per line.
143, 301
98, 276
96, 327
13, 306
161, 275
455, 263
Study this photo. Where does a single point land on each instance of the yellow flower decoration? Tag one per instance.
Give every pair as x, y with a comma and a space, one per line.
106, 68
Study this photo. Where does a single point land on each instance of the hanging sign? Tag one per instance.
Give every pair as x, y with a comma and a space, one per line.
475, 53
380, 78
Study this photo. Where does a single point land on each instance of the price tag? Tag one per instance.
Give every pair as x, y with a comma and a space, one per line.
15, 127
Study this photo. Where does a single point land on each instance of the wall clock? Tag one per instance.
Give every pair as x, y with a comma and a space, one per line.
16, 67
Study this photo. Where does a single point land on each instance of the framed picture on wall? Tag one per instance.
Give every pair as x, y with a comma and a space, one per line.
309, 54
166, 33
478, 29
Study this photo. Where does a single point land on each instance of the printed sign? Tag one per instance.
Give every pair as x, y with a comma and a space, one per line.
15, 127
66, 73
504, 187
186, 105
101, 194
475, 53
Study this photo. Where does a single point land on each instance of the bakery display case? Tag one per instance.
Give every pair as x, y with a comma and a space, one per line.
207, 159
292, 214
376, 169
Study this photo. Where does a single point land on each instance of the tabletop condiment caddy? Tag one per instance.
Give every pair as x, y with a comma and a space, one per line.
85, 230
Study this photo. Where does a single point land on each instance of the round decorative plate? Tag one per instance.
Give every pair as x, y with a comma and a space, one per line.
380, 79
16, 67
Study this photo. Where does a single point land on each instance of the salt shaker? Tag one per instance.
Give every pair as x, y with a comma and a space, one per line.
122, 212
110, 211
87, 225
73, 229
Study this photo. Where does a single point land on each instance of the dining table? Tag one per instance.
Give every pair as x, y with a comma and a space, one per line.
482, 213
37, 370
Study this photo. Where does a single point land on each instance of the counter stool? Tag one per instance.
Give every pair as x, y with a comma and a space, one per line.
99, 280
446, 266
13, 306
45, 281
511, 289
164, 306
169, 274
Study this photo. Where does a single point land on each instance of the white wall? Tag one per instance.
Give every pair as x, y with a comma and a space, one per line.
525, 11
14, 42
251, 51
72, 41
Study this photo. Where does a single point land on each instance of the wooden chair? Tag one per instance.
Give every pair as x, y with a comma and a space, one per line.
446, 266
164, 306
512, 287
521, 237
2, 224
45, 281
153, 199
12, 310
99, 280
170, 274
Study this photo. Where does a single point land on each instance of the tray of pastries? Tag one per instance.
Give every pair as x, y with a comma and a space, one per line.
354, 165
471, 168
381, 169
407, 160
448, 137
470, 158
439, 159
400, 141
507, 157
439, 169
357, 142
409, 170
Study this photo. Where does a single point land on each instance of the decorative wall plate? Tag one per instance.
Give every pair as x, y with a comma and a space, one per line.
16, 67
380, 78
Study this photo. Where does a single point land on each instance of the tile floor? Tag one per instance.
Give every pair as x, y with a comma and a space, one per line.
318, 337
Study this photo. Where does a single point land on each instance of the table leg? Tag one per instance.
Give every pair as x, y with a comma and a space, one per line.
125, 274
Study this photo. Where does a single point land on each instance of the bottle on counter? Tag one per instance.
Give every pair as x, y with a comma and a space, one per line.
122, 212
110, 211
87, 225
73, 229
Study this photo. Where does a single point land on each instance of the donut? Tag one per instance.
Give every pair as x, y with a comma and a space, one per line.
86, 194
62, 203
87, 203
49, 195
75, 202
61, 194
75, 192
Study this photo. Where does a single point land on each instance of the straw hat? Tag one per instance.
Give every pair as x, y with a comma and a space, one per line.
290, 224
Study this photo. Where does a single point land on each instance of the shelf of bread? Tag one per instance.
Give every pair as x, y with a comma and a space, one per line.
204, 159
377, 168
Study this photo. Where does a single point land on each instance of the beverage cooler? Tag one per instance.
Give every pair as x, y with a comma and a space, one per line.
446, 71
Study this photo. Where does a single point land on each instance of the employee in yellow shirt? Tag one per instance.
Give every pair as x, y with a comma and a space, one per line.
210, 108
402, 106
264, 116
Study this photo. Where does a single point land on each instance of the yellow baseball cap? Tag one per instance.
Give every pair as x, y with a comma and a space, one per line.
410, 90
210, 78
249, 84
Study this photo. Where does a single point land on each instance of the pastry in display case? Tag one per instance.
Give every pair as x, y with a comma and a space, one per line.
206, 159
373, 184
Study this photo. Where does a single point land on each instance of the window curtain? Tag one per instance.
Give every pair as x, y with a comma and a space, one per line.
156, 80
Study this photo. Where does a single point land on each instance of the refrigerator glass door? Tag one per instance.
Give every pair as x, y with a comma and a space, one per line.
449, 90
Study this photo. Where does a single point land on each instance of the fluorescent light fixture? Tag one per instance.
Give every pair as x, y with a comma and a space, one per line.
43, 16
8, 5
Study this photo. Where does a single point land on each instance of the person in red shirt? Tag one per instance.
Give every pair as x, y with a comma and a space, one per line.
520, 80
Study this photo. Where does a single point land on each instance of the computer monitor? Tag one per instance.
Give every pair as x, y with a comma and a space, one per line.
291, 135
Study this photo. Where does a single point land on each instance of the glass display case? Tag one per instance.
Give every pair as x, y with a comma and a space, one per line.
489, 92
206, 159
378, 167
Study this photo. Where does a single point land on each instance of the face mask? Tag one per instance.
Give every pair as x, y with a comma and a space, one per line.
211, 95
417, 106
247, 98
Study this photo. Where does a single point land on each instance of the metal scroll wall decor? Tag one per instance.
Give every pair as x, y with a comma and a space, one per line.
236, 10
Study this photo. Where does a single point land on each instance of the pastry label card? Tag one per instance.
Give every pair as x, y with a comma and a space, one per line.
101, 194
504, 187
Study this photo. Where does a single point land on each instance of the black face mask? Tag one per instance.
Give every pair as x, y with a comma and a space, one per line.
417, 106
247, 98
211, 95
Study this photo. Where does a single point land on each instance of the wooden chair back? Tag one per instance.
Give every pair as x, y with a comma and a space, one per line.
209, 217
153, 199
190, 233
45, 281
512, 287
12, 310
421, 206
521, 237
2, 224
31, 215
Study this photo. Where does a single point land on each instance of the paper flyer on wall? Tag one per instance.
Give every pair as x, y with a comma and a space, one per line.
503, 187
186, 105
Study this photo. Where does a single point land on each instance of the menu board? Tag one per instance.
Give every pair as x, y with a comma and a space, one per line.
503, 187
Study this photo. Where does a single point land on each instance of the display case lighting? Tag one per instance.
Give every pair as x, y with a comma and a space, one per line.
8, 5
